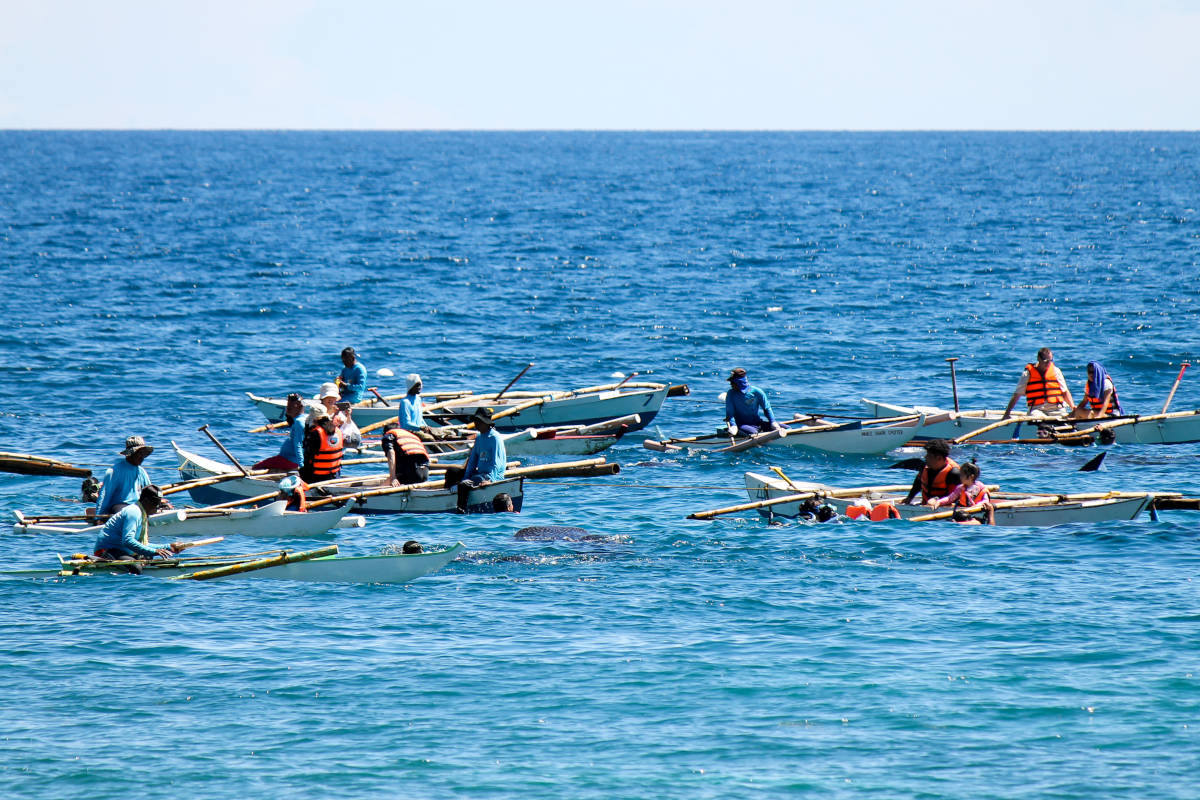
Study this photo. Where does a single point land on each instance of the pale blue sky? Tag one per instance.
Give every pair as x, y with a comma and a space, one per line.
744, 64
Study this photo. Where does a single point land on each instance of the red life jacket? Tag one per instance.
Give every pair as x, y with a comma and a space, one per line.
1097, 403
965, 500
408, 442
327, 462
935, 486
1042, 388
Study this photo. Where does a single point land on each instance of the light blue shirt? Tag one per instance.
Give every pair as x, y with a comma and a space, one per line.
123, 531
293, 447
744, 407
488, 458
355, 378
411, 407
123, 483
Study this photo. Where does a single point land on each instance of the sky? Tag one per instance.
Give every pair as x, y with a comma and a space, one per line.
616, 64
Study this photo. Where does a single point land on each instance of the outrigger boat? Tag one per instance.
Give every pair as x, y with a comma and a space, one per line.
571, 440
1179, 427
517, 410
369, 495
1011, 508
269, 520
859, 437
323, 566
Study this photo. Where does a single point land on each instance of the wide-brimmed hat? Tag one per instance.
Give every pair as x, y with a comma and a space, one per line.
328, 390
289, 484
738, 372
318, 417
134, 444
482, 415
412, 379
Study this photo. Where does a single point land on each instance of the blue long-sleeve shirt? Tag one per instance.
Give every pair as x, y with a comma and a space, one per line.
123, 532
411, 418
744, 407
355, 380
123, 483
293, 446
488, 458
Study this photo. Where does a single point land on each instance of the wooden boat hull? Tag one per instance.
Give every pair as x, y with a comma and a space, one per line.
269, 520
332, 569
412, 501
1178, 428
854, 438
585, 409
762, 487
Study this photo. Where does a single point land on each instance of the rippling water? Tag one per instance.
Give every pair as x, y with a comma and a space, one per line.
152, 278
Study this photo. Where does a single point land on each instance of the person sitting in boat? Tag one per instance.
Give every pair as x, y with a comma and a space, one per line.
125, 479
938, 477
353, 379
339, 409
487, 460
407, 458
1099, 395
292, 489
322, 450
127, 533
747, 410
291, 455
1044, 387
412, 410
969, 492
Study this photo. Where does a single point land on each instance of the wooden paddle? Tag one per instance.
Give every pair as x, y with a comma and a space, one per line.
757, 440
953, 382
509, 385
204, 429
1178, 378
382, 399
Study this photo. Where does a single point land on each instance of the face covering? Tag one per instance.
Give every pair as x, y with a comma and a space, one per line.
741, 384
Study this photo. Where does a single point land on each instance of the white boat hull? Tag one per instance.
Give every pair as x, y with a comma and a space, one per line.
761, 487
411, 501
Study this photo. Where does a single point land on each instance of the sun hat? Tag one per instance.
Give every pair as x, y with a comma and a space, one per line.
328, 390
411, 379
135, 443
289, 484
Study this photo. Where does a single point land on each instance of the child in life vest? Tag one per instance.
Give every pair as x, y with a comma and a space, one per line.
970, 492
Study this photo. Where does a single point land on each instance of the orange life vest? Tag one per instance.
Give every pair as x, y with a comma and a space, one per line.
884, 511
965, 500
408, 442
327, 462
936, 486
1041, 388
299, 498
1097, 403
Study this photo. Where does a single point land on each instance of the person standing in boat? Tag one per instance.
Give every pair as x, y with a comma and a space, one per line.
408, 461
940, 475
291, 455
487, 460
353, 379
322, 449
1044, 387
747, 410
125, 479
127, 533
1099, 395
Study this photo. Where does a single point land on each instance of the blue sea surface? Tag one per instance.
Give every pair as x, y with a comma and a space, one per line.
151, 279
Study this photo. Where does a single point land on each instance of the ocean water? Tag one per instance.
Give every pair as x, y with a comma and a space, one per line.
153, 278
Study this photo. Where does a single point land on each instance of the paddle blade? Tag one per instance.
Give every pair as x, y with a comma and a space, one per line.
915, 464
1093, 464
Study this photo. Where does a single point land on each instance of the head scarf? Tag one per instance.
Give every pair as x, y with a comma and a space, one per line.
1095, 386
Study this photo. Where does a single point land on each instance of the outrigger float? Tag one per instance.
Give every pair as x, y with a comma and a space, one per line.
323, 565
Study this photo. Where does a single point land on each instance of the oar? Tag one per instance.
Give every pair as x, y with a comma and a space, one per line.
269, 427
263, 563
1178, 378
514, 380
181, 546
22, 464
757, 440
382, 399
204, 429
954, 382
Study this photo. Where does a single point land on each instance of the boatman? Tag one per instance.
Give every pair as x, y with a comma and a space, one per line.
322, 449
126, 534
412, 417
1044, 387
353, 379
408, 460
125, 479
291, 454
939, 477
1099, 395
487, 460
747, 410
